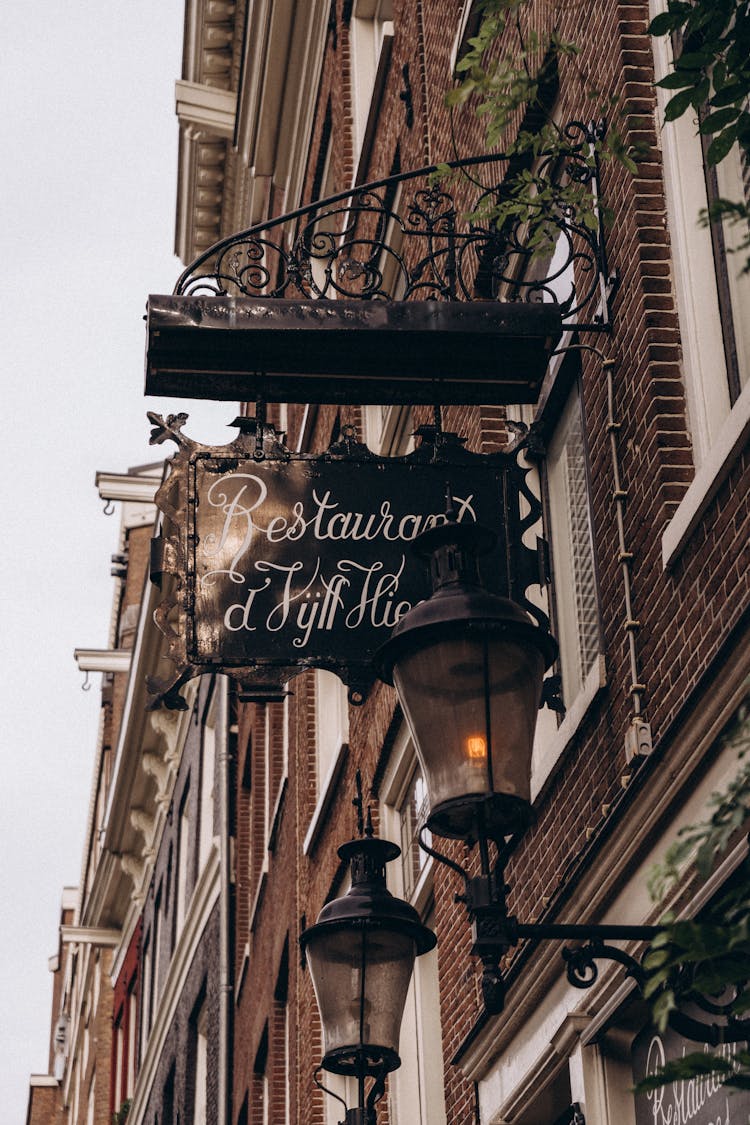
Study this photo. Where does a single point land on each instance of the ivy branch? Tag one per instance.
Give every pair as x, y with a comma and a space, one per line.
503, 78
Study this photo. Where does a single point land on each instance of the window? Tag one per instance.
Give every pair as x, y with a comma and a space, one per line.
711, 296
200, 1098
261, 1099
371, 32
412, 812
156, 956
574, 582
208, 760
146, 994
91, 1108
182, 888
416, 1095
331, 724
572, 601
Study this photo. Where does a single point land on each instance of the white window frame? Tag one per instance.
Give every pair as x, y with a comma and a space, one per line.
554, 735
200, 1095
718, 428
416, 1091
331, 745
371, 31
207, 781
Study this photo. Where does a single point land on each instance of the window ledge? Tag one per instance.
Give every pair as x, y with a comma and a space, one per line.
325, 798
421, 896
707, 481
260, 891
574, 716
276, 817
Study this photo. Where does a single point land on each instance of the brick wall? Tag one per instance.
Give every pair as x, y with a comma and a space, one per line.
693, 618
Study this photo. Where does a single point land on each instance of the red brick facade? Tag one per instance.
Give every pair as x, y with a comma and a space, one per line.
601, 814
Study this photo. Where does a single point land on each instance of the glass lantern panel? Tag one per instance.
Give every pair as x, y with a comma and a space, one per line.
361, 977
471, 703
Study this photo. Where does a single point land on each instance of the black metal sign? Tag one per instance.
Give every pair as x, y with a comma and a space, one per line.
287, 561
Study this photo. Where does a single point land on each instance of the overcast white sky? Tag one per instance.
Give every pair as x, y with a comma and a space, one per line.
89, 145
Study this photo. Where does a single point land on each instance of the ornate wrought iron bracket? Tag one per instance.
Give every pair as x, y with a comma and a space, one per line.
427, 234
495, 932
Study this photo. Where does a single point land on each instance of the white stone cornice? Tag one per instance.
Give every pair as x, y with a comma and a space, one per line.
134, 867
167, 725
89, 935
123, 486
103, 659
206, 107
154, 765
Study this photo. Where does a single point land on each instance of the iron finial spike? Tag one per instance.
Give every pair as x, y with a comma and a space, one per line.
358, 803
369, 830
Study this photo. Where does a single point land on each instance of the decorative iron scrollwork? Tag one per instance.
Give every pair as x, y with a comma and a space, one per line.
413, 236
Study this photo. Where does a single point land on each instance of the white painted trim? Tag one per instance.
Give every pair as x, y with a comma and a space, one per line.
205, 106
730, 441
204, 898
43, 1080
260, 891
326, 797
89, 935
543, 765
124, 486
103, 659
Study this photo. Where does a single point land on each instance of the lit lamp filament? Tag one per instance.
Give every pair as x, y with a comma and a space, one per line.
476, 747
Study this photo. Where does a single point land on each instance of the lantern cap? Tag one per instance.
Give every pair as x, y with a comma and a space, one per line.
368, 902
458, 608
459, 603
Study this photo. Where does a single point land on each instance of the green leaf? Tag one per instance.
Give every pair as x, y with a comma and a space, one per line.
694, 60
664, 23
721, 145
716, 121
743, 129
677, 105
678, 79
700, 93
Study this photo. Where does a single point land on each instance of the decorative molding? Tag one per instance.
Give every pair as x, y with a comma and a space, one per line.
89, 935
167, 724
134, 867
206, 107
103, 659
161, 771
126, 487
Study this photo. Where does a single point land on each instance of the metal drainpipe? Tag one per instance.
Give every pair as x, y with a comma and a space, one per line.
225, 876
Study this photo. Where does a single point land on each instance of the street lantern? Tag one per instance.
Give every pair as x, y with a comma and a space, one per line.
468, 667
361, 954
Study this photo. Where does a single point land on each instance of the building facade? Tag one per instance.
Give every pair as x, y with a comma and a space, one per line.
214, 831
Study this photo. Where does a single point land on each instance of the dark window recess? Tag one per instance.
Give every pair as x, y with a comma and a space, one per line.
572, 1116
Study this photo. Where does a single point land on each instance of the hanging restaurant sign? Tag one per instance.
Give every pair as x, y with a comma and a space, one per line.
287, 561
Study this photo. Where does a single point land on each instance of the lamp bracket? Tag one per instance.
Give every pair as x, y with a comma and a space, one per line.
495, 932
